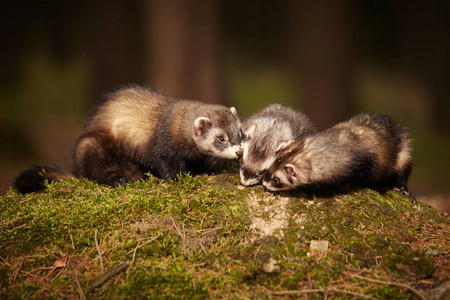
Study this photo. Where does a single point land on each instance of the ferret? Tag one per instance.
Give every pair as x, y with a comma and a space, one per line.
367, 150
137, 130
263, 133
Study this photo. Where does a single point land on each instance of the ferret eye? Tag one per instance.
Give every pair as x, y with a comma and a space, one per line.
275, 180
221, 139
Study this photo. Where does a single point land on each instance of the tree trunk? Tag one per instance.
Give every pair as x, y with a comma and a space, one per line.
115, 55
424, 45
322, 56
183, 49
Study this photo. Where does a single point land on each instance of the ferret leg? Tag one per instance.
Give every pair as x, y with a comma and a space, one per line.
95, 159
168, 168
400, 184
404, 191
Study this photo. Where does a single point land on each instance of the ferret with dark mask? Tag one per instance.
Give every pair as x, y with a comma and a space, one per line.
368, 149
137, 130
263, 133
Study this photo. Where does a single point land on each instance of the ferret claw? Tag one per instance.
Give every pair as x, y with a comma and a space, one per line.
403, 191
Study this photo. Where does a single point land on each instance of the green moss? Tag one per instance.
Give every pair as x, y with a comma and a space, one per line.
192, 236
166, 278
361, 255
384, 291
330, 268
414, 264
338, 264
293, 276
321, 274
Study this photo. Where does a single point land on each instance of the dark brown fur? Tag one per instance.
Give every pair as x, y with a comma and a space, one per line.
34, 178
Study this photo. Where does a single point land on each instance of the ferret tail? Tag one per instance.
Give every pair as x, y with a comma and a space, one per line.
34, 178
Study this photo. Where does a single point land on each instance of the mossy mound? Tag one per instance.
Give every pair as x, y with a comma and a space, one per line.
208, 237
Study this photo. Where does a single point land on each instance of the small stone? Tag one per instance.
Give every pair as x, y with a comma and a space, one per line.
271, 266
321, 246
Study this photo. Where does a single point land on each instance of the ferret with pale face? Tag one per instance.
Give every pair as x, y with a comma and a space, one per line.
368, 149
137, 130
263, 133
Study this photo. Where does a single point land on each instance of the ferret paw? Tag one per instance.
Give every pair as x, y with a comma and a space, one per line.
122, 181
403, 191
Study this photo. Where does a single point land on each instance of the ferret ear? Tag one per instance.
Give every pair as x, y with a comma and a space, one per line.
249, 132
283, 145
233, 110
290, 170
202, 125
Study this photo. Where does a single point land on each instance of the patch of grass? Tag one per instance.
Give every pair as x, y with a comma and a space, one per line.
199, 236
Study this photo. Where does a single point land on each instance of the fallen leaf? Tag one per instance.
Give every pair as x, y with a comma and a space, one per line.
62, 262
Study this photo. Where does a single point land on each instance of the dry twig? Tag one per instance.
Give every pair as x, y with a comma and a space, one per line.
98, 249
79, 289
100, 280
134, 254
182, 234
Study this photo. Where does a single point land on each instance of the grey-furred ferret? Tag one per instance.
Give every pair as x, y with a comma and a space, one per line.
264, 132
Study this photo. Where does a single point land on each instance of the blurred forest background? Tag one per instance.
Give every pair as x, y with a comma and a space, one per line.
329, 59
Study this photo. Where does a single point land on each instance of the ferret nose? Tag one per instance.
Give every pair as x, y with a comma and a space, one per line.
246, 181
239, 153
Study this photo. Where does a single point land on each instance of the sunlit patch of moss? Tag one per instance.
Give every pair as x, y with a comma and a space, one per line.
167, 278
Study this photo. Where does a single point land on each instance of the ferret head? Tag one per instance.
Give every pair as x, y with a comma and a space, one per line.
287, 172
262, 136
219, 133
255, 157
